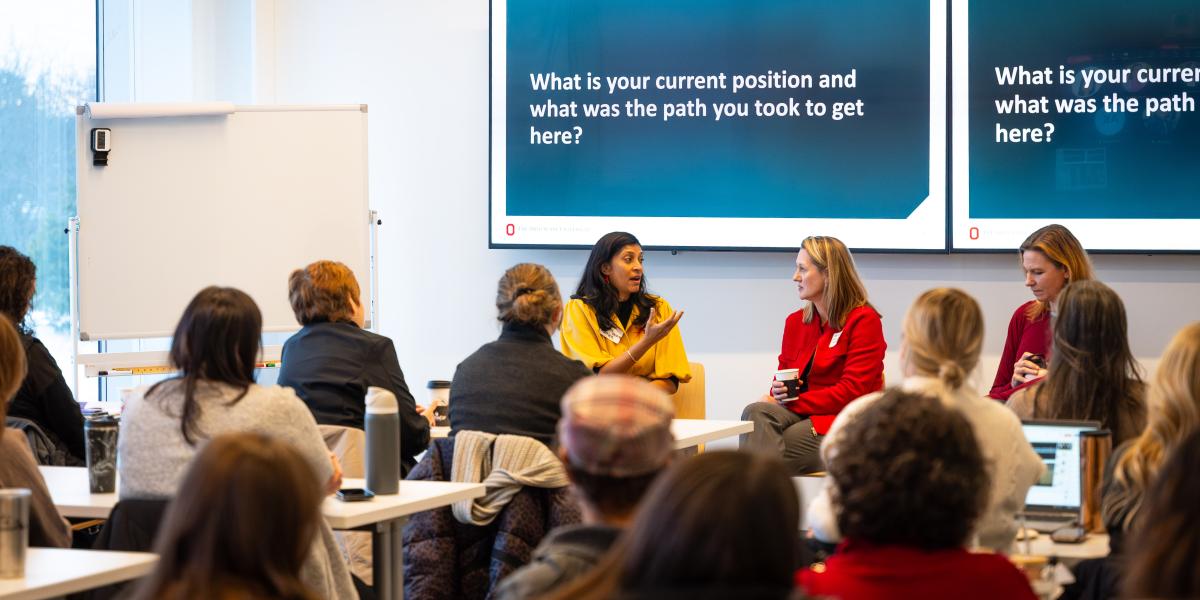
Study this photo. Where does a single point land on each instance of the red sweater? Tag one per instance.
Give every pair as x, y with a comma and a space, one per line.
846, 364
862, 571
1023, 336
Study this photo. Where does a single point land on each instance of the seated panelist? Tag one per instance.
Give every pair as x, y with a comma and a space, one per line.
835, 342
613, 325
1051, 258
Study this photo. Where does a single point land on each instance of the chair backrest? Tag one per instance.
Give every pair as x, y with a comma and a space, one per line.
349, 444
690, 399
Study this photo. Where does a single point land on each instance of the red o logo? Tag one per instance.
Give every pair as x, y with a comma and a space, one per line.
973, 233
510, 229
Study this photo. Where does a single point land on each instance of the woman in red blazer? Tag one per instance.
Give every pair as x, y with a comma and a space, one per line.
836, 341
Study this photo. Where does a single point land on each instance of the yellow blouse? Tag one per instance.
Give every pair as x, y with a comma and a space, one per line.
582, 340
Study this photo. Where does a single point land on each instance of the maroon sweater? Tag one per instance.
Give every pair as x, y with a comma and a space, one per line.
1023, 336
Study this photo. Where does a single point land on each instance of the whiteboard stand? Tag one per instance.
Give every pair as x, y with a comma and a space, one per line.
73, 293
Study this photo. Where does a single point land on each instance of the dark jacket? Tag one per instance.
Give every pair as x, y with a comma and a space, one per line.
447, 559
331, 365
45, 399
513, 385
131, 527
563, 556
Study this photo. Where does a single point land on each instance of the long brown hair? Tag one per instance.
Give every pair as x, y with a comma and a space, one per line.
1092, 372
12, 365
241, 525
216, 341
1174, 413
720, 519
844, 289
1167, 536
1062, 248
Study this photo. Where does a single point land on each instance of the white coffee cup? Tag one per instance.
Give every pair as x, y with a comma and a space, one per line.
791, 379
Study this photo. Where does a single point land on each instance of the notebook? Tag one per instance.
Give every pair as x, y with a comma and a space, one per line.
1055, 500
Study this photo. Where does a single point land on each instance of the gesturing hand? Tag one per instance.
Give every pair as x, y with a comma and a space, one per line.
657, 331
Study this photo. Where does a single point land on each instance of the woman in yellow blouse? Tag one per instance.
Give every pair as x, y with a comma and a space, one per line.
613, 325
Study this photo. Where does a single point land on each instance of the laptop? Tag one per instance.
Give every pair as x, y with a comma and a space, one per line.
1055, 500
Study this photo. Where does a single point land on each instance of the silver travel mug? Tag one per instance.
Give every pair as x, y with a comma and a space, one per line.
14, 531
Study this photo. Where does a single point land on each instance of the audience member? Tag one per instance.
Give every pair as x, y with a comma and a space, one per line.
719, 525
245, 518
1051, 258
1093, 375
836, 341
615, 437
910, 481
215, 347
332, 360
17, 466
1165, 562
1173, 413
514, 385
43, 397
943, 337
614, 325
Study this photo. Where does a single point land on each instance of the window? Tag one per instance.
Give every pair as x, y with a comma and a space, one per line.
47, 67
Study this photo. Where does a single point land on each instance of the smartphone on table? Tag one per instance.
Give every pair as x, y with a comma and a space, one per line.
354, 494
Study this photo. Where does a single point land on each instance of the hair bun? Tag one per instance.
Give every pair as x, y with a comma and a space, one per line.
951, 374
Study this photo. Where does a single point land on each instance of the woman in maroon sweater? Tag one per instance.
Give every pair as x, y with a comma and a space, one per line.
1051, 258
836, 341
909, 482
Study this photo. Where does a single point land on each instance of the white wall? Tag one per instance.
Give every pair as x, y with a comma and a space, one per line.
422, 66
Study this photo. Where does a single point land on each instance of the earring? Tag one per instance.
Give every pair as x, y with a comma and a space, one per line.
605, 278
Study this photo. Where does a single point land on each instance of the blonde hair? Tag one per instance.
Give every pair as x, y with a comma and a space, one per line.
322, 292
527, 294
844, 291
12, 364
943, 331
1062, 248
1174, 407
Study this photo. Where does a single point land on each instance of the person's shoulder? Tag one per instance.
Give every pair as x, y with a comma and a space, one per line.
661, 305
795, 319
995, 568
1019, 315
578, 308
863, 313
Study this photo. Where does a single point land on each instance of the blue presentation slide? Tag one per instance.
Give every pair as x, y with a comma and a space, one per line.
1081, 112
716, 124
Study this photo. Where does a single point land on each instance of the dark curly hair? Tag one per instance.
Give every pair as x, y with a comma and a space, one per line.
599, 294
18, 276
908, 471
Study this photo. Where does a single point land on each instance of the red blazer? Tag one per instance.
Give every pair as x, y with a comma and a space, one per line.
1023, 336
846, 364
861, 571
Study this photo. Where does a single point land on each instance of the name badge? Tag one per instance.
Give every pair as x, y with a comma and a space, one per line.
834, 340
613, 335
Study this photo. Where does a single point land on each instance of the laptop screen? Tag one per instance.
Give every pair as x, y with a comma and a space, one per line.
1058, 444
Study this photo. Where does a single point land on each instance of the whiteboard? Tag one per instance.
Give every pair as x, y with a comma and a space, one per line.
239, 199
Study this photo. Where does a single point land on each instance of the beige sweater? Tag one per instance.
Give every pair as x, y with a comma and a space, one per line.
18, 469
1014, 466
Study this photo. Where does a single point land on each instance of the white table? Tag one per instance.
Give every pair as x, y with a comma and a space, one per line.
385, 515
688, 432
1095, 546
53, 572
